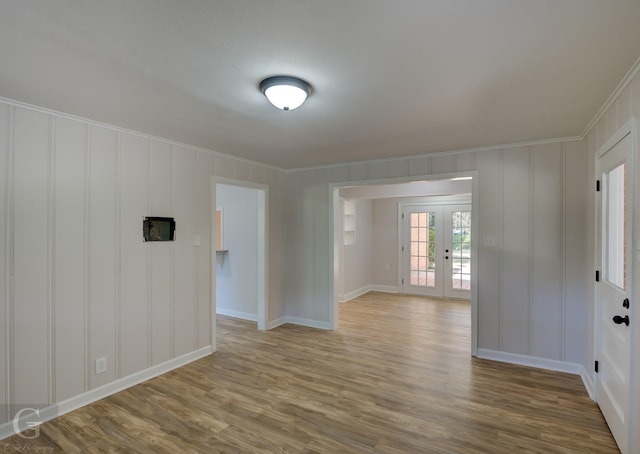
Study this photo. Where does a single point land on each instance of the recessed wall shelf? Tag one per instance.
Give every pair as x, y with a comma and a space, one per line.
349, 222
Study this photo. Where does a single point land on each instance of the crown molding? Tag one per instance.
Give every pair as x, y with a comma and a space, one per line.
120, 129
613, 97
443, 153
632, 72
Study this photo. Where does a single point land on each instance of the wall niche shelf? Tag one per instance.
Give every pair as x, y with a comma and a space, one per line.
349, 222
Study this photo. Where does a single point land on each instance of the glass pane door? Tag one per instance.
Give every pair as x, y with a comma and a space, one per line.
457, 251
422, 250
422, 269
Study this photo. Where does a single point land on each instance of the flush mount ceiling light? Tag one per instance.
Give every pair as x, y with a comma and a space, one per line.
285, 92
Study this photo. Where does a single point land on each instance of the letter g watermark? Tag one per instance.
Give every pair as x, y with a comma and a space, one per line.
35, 425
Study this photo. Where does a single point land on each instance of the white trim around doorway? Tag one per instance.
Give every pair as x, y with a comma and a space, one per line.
334, 236
262, 253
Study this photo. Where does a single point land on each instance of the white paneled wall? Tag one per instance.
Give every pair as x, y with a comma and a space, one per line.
356, 258
5, 260
530, 286
77, 281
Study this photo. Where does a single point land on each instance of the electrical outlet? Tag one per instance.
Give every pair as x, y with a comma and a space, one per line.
101, 365
490, 240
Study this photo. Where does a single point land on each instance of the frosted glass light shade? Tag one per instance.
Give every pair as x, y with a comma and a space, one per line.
284, 92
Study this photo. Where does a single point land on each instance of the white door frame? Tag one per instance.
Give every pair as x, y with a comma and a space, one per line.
633, 127
334, 235
436, 200
262, 254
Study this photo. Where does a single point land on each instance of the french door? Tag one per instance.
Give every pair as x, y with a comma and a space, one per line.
436, 250
613, 292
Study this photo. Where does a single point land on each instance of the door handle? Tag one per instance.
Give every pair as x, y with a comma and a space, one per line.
625, 303
618, 320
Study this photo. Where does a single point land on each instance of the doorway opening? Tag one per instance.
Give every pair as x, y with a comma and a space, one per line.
378, 246
239, 232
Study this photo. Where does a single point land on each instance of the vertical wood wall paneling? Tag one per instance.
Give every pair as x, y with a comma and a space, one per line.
398, 168
160, 253
420, 166
635, 97
577, 227
340, 173
5, 168
205, 261
376, 170
515, 252
357, 172
224, 167
87, 258
489, 214
624, 106
306, 244
185, 206
118, 258
134, 202
547, 246
242, 170
320, 239
103, 253
51, 226
442, 164
465, 161
531, 245
68, 258
30, 374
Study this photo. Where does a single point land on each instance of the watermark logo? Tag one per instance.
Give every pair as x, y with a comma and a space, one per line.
25, 419
26, 423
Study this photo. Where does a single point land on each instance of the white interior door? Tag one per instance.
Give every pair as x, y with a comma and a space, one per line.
422, 250
613, 292
457, 251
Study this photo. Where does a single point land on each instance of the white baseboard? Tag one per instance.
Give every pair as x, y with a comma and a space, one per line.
541, 363
531, 361
588, 383
355, 293
237, 314
384, 288
277, 322
366, 289
307, 322
73, 403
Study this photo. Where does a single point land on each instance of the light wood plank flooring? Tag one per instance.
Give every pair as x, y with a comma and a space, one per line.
395, 378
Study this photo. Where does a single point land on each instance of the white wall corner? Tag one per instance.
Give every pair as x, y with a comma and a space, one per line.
355, 293
277, 322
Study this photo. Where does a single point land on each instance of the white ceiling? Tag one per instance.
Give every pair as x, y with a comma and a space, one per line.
390, 78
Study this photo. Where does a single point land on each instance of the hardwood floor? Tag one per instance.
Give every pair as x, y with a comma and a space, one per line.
395, 378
